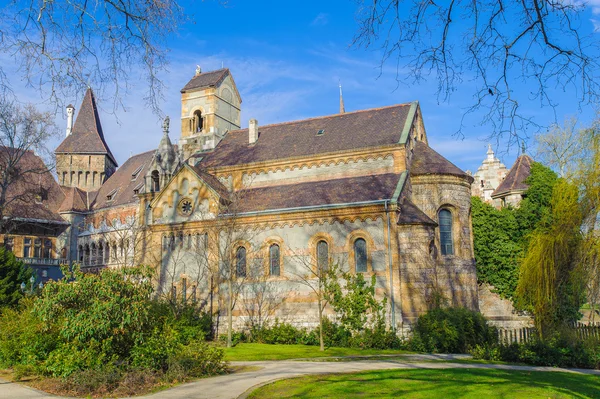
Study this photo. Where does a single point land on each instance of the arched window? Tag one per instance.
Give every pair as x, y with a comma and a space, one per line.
63, 253
445, 220
155, 186
322, 255
360, 255
198, 121
240, 260
274, 260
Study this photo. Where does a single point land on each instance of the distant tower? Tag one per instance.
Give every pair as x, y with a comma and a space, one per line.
83, 159
210, 107
488, 177
70, 113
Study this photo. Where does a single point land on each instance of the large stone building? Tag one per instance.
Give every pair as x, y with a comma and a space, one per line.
272, 204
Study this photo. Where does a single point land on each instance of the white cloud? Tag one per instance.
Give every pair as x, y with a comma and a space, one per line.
320, 20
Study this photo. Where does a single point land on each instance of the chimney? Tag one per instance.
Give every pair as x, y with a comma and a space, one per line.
253, 131
70, 112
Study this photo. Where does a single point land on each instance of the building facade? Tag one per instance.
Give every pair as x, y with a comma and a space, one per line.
255, 213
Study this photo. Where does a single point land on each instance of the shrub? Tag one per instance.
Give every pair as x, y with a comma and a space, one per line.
198, 359
451, 330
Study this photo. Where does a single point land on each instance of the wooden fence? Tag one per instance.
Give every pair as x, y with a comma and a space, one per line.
526, 334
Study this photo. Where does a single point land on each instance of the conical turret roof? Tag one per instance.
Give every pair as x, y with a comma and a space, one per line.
87, 136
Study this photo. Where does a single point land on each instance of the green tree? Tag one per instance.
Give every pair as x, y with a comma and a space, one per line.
355, 301
12, 274
549, 284
500, 236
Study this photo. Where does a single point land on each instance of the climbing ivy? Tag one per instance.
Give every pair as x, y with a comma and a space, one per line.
501, 236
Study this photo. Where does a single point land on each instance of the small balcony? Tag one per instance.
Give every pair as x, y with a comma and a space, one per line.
43, 261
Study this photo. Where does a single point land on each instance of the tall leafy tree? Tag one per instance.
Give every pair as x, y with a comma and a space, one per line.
500, 236
12, 274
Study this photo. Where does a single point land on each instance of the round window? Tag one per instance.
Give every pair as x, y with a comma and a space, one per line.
185, 207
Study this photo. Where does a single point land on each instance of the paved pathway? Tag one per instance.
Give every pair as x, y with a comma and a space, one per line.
238, 385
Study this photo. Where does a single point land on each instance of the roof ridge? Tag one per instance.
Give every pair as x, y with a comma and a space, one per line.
327, 116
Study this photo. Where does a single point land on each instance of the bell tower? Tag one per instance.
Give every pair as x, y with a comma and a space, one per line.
210, 107
83, 159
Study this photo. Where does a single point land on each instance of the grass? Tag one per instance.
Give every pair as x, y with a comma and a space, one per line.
447, 384
253, 352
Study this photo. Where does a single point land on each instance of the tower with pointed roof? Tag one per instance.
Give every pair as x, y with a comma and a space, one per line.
489, 175
164, 163
83, 159
210, 107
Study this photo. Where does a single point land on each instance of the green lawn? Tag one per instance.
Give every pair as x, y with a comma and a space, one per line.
249, 352
447, 384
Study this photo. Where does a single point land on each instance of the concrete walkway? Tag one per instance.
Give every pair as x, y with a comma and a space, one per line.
238, 385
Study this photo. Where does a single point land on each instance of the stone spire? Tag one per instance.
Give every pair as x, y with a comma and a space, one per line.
165, 162
342, 109
490, 153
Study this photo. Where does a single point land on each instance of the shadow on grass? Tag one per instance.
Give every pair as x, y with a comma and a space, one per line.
447, 384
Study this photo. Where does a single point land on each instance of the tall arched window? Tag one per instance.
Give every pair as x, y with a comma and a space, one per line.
155, 186
360, 255
274, 260
240, 260
322, 255
445, 219
198, 121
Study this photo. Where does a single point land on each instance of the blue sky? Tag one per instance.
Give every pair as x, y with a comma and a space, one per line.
287, 58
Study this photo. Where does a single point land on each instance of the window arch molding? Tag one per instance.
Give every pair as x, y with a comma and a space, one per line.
193, 118
313, 248
249, 256
266, 250
448, 230
350, 248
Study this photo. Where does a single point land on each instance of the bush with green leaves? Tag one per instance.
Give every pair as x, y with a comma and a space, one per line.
97, 322
556, 351
451, 330
12, 274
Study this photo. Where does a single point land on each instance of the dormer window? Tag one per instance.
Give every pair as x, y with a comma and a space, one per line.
137, 189
110, 196
321, 132
135, 174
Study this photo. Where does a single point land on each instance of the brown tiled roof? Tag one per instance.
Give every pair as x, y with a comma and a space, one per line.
87, 136
212, 181
35, 195
515, 179
121, 184
320, 193
411, 214
428, 162
206, 79
341, 132
75, 200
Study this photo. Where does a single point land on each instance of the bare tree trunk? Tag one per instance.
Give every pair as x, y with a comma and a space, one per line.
229, 316
321, 342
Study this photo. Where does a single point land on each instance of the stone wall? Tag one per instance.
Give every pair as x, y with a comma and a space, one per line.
499, 311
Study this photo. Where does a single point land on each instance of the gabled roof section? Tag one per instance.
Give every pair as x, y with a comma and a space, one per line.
87, 136
123, 182
206, 79
75, 200
211, 181
515, 179
426, 161
340, 132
